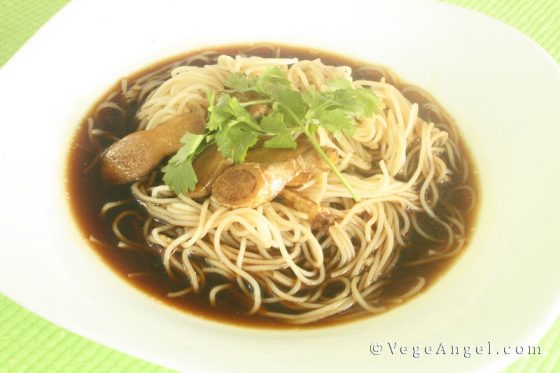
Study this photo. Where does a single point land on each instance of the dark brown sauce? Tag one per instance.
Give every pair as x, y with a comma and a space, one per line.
88, 193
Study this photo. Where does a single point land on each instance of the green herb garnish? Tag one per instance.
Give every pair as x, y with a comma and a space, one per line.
179, 173
291, 113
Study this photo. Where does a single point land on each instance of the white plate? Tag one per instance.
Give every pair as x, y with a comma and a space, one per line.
502, 89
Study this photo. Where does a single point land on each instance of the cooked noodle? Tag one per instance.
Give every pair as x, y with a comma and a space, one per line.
270, 257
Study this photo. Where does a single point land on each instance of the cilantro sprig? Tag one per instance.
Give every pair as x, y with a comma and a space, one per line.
291, 113
179, 172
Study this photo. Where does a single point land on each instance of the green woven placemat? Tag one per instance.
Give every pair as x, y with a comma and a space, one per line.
30, 343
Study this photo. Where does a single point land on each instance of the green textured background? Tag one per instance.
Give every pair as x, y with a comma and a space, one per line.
30, 343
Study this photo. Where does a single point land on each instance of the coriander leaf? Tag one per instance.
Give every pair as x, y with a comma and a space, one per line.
240, 113
362, 102
314, 99
228, 109
290, 103
291, 112
339, 83
240, 82
336, 121
234, 141
180, 177
220, 113
274, 123
274, 83
272, 78
343, 99
347, 100
179, 174
190, 142
282, 141
367, 103
181, 156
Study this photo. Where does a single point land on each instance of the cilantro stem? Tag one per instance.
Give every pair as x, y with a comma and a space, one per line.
247, 123
333, 167
318, 149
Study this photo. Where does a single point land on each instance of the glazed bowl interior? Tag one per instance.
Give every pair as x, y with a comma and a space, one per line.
471, 64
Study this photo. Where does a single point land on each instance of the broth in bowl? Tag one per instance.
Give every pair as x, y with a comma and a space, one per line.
269, 185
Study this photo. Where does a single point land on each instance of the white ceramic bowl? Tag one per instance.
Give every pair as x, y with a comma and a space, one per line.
502, 89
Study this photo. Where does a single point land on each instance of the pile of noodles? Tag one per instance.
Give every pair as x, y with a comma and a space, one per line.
269, 257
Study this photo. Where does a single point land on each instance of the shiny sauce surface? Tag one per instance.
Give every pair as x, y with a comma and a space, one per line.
142, 269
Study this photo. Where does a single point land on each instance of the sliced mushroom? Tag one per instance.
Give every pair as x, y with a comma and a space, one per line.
302, 178
260, 154
320, 217
135, 155
251, 184
211, 163
208, 166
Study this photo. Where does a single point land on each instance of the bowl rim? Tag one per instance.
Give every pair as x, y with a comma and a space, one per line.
56, 313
